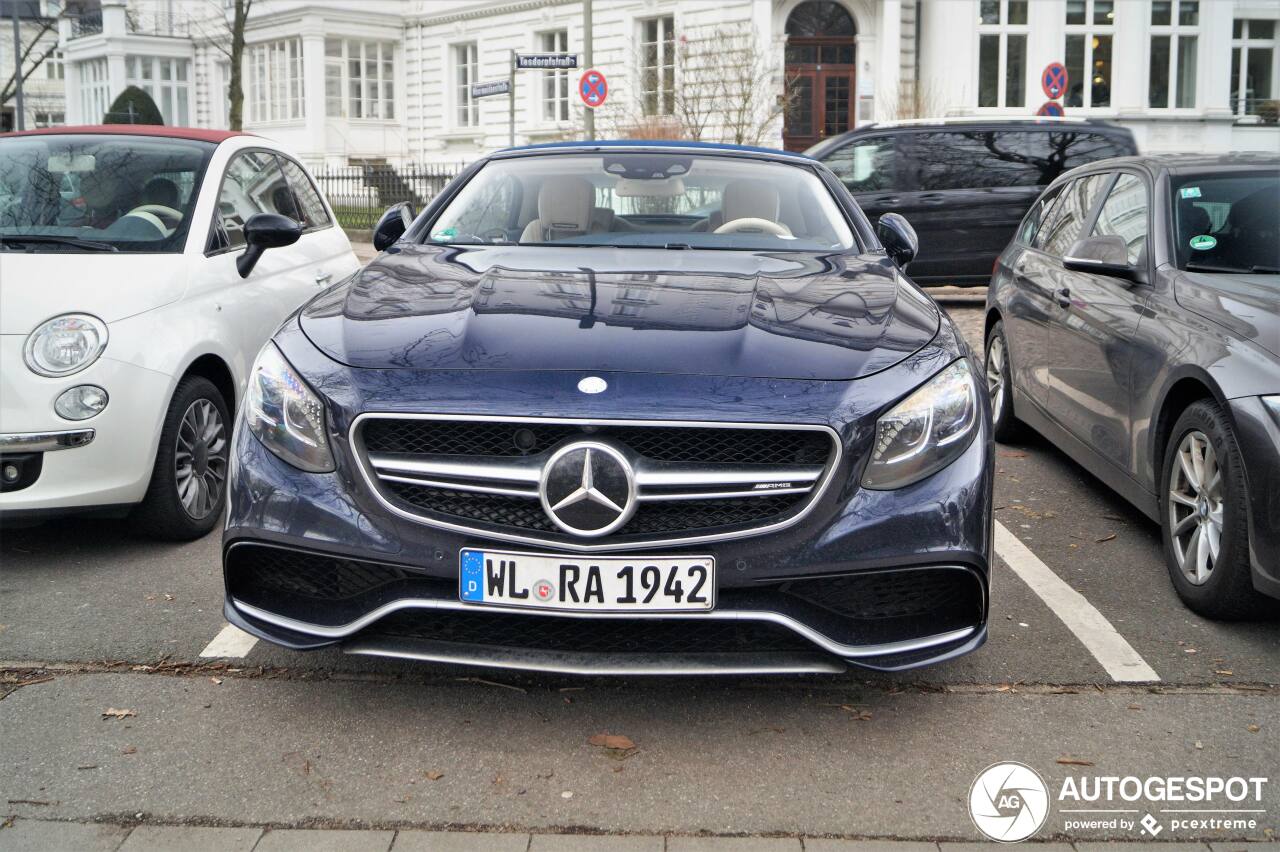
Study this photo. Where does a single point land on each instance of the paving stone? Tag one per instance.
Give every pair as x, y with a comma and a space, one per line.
36, 835
814, 844
316, 840
1122, 846
165, 838
459, 841
1255, 846
733, 844
987, 847
591, 843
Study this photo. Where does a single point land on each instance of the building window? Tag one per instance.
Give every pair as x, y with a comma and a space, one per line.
658, 65
166, 81
50, 119
275, 81
555, 83
1090, 28
465, 72
1175, 32
1254, 51
55, 67
1002, 53
95, 90
359, 78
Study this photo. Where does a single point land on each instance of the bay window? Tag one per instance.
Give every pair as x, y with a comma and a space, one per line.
275, 81
359, 78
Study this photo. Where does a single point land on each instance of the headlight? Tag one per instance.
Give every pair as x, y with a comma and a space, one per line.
65, 345
926, 431
286, 415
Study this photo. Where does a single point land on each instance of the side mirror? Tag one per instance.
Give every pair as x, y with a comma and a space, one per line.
264, 231
898, 238
1101, 255
391, 227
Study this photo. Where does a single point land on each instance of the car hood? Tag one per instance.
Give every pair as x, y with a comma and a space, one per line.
777, 315
38, 285
1247, 305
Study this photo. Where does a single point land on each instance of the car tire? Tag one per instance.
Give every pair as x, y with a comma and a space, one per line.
1004, 426
188, 490
1196, 516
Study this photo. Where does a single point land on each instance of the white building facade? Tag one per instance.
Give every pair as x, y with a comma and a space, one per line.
390, 81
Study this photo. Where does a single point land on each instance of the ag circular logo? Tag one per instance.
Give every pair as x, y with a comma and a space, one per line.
588, 489
1008, 802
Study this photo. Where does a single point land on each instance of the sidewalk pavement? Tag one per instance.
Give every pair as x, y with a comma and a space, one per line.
30, 835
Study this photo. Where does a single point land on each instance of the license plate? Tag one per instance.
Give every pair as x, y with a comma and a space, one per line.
588, 583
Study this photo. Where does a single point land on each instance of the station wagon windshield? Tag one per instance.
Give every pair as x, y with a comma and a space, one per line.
1228, 222
645, 200
81, 192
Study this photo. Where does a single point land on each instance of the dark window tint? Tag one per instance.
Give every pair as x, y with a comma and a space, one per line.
866, 165
1124, 214
1228, 221
253, 184
1031, 222
310, 209
1071, 213
994, 158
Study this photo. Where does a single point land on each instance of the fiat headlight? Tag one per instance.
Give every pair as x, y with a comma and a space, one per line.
286, 415
926, 431
65, 345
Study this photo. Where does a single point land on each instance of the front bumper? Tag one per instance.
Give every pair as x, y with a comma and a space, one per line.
112, 469
314, 560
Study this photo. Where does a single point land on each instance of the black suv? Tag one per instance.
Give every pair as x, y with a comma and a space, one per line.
966, 185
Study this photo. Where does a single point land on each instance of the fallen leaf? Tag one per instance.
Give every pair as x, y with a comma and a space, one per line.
1135, 706
1105, 538
613, 741
434, 776
129, 750
1073, 761
113, 713
216, 681
1253, 729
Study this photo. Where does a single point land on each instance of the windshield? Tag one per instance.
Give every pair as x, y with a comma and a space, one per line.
98, 193
650, 200
1228, 222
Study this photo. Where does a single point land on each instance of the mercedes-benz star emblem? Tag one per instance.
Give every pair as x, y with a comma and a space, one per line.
588, 489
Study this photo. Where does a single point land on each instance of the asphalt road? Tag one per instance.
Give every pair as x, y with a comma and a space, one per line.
1093, 668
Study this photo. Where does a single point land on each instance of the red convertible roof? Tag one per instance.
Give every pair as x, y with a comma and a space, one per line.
198, 134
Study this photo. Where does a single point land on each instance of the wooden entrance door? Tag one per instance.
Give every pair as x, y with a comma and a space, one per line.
820, 73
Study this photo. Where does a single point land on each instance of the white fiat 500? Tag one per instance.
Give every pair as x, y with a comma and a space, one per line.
141, 270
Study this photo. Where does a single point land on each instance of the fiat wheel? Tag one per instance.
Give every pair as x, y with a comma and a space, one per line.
188, 483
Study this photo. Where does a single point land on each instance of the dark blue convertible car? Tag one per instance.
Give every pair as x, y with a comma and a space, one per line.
620, 408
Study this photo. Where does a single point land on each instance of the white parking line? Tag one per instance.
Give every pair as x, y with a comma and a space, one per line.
230, 642
1093, 630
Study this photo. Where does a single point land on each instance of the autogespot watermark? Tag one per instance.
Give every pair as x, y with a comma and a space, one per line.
1010, 802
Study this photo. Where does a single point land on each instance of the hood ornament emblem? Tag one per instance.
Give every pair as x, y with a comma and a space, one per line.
593, 384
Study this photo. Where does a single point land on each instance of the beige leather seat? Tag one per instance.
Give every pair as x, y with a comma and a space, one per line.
565, 207
749, 199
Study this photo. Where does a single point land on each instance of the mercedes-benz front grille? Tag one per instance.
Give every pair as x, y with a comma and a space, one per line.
688, 481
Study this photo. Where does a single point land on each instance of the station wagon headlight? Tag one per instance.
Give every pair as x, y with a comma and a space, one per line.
286, 415
926, 431
65, 345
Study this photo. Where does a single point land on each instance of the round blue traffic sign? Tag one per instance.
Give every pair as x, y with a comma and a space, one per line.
1054, 79
593, 88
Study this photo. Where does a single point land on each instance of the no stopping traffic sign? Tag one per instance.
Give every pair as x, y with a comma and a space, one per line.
593, 88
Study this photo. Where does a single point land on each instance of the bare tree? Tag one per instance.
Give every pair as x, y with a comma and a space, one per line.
35, 50
228, 39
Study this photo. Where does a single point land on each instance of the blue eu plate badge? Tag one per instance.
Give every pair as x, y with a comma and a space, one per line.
472, 575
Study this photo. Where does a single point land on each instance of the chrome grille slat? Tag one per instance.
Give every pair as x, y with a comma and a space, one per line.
432, 487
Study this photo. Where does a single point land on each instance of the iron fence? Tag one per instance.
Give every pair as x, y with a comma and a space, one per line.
360, 194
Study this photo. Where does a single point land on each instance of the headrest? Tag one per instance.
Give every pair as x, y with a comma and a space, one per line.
750, 199
1194, 220
565, 205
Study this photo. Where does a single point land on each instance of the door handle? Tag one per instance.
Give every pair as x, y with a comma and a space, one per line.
1064, 297
887, 199
322, 278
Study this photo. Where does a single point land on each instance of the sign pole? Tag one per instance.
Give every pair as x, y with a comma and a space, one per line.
589, 116
511, 102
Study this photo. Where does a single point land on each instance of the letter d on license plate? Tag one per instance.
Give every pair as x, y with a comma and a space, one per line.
589, 583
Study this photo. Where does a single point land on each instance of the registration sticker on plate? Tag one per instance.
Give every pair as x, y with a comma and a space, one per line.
587, 583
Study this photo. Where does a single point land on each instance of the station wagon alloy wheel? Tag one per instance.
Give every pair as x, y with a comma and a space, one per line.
200, 458
995, 374
1196, 508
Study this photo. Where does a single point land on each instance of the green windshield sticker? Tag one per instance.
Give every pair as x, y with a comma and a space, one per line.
1203, 242
1190, 192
